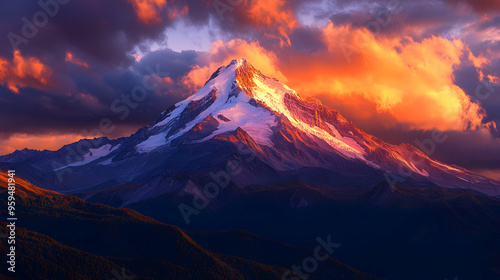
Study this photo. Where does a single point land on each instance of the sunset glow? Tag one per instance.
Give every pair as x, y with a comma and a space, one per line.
383, 65
250, 139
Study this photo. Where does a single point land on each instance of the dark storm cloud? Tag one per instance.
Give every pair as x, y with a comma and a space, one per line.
481, 36
33, 111
105, 30
418, 19
200, 11
472, 150
101, 34
169, 61
92, 95
307, 39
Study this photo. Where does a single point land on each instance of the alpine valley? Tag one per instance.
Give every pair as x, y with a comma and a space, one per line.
243, 177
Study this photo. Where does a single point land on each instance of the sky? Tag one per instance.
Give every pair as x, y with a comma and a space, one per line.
400, 70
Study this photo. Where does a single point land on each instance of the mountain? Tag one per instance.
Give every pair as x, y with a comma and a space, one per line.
63, 237
246, 152
240, 109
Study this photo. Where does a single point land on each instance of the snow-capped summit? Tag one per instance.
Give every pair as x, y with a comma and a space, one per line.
238, 95
220, 102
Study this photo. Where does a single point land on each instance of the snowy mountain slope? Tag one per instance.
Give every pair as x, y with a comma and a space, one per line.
239, 106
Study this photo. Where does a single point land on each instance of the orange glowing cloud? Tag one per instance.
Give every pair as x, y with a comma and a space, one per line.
38, 142
275, 14
196, 77
494, 79
479, 63
174, 13
70, 58
149, 11
137, 56
411, 82
168, 80
4, 65
222, 53
23, 72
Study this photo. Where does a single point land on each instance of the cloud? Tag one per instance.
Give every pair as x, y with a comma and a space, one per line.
82, 98
49, 142
70, 58
149, 11
23, 72
274, 14
482, 6
222, 53
472, 150
490, 173
114, 32
271, 20
412, 81
154, 11
494, 79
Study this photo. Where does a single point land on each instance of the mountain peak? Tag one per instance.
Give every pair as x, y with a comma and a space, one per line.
243, 69
241, 75
239, 62
231, 71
